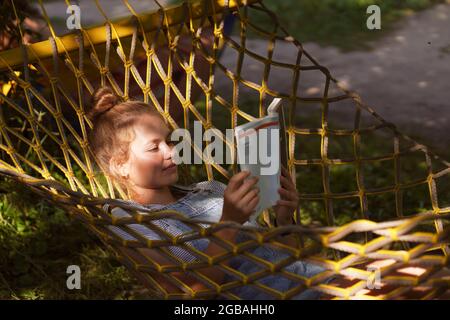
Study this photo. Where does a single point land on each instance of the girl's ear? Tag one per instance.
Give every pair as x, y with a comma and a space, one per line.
121, 169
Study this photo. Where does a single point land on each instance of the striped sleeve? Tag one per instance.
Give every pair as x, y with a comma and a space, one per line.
216, 187
171, 226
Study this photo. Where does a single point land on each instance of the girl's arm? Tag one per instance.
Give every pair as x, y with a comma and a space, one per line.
240, 200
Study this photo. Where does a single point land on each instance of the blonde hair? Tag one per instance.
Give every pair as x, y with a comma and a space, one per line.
112, 130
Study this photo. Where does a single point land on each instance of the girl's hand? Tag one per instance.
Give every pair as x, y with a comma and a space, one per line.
240, 198
289, 199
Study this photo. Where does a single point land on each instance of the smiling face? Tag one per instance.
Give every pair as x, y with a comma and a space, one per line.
150, 162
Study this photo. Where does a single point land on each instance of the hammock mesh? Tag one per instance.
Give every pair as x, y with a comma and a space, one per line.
172, 59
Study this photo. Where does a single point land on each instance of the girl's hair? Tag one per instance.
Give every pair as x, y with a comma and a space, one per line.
112, 132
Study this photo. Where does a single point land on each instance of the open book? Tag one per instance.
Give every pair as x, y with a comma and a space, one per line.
262, 149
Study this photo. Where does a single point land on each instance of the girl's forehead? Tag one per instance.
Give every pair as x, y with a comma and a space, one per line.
149, 126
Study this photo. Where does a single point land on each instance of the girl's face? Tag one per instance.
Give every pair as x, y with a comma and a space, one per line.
150, 162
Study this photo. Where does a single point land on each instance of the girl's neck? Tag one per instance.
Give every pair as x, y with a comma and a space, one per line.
146, 196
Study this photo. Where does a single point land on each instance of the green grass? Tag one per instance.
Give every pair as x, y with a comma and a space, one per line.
39, 241
339, 23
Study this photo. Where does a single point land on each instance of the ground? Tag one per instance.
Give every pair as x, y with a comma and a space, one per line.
405, 78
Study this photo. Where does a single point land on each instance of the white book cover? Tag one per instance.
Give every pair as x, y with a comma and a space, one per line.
258, 151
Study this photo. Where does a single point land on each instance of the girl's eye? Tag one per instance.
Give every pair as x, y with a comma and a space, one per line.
152, 149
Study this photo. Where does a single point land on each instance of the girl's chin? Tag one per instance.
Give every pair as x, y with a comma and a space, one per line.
171, 174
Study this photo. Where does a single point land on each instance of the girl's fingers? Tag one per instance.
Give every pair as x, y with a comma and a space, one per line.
252, 204
238, 179
249, 196
246, 186
287, 195
287, 183
285, 172
292, 204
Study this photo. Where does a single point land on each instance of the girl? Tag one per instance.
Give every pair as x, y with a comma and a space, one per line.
131, 142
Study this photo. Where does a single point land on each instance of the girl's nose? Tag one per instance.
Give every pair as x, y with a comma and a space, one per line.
167, 150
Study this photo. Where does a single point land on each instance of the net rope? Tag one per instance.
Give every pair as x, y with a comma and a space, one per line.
171, 58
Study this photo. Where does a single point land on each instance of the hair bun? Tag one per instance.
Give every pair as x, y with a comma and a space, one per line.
103, 99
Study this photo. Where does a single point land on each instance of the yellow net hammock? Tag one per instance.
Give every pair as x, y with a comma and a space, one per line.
392, 212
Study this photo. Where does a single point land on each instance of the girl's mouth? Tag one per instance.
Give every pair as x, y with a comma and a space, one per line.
170, 167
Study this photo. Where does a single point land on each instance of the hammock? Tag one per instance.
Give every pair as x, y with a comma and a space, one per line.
170, 59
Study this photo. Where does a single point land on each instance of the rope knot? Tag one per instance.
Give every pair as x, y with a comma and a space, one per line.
146, 90
57, 114
167, 80
84, 144
64, 146
189, 69
218, 33
128, 63
186, 104
79, 74
104, 70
